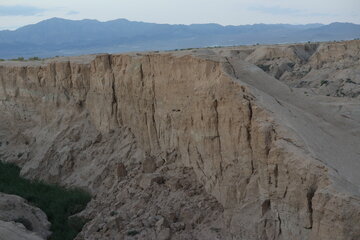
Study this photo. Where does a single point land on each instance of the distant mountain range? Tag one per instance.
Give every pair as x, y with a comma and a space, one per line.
61, 37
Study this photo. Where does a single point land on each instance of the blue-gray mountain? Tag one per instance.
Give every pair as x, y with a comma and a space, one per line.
67, 37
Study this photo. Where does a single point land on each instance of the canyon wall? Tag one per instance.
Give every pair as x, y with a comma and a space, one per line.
259, 160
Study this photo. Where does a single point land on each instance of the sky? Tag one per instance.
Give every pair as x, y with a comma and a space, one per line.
17, 13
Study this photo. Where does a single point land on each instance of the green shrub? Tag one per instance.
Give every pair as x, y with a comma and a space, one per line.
133, 232
348, 80
34, 59
57, 202
215, 229
265, 68
326, 82
18, 59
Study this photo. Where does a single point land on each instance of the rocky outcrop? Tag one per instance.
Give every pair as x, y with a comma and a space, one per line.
19, 220
13, 231
330, 69
149, 134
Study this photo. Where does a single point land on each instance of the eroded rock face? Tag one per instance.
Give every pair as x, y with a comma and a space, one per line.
330, 69
198, 145
19, 220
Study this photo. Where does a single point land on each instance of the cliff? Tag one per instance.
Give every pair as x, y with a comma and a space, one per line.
188, 145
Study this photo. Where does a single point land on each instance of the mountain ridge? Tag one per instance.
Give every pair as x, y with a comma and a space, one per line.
58, 36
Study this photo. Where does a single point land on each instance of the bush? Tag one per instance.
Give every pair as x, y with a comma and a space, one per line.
324, 82
34, 59
133, 232
265, 68
57, 202
18, 59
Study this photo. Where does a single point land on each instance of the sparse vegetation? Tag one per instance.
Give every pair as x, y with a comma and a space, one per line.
18, 59
324, 82
57, 202
217, 230
34, 59
22, 59
348, 80
216, 46
265, 68
181, 49
132, 232
339, 93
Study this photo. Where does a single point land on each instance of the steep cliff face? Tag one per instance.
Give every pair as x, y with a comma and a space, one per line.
192, 145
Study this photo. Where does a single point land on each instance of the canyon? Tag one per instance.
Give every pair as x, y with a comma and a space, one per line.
249, 142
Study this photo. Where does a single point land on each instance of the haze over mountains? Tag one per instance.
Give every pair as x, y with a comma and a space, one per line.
58, 36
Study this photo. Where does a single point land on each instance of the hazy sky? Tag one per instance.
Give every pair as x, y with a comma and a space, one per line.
16, 13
